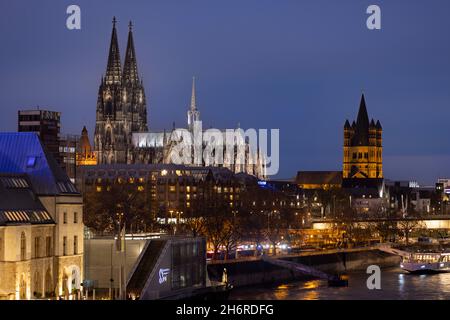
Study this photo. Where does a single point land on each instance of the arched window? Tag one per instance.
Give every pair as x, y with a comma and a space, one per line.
109, 107
37, 293
22, 288
49, 290
108, 136
23, 246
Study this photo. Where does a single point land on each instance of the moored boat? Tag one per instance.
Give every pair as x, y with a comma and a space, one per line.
426, 262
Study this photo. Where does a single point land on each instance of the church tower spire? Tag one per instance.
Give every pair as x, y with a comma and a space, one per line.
193, 100
363, 118
363, 146
113, 69
193, 113
130, 71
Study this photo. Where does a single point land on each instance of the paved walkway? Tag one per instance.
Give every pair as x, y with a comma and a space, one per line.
300, 254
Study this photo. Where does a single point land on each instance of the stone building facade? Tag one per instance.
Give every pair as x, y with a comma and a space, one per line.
41, 223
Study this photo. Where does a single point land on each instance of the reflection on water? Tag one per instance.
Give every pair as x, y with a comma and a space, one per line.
395, 284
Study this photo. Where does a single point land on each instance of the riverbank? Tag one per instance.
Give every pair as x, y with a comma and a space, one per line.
255, 271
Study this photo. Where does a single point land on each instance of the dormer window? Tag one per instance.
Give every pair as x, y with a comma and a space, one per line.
31, 161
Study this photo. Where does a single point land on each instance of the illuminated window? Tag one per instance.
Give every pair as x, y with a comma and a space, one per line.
37, 245
31, 162
75, 245
99, 189
164, 172
188, 189
172, 188
140, 188
48, 246
64, 246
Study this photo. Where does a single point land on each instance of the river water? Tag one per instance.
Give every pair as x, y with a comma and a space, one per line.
395, 284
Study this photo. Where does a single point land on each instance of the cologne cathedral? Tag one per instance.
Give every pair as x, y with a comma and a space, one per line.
121, 130
121, 107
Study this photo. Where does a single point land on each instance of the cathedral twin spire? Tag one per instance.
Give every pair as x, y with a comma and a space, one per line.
121, 106
130, 71
114, 73
113, 69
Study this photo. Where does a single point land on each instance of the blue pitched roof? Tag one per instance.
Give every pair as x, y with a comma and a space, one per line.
18, 203
23, 152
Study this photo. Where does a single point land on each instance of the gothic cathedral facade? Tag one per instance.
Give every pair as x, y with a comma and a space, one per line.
121, 129
121, 105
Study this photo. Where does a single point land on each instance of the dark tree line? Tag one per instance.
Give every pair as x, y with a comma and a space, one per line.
113, 207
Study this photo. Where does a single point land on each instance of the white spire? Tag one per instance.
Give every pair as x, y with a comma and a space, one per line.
193, 100
193, 113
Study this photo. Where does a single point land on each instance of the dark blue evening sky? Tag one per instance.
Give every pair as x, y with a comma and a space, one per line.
299, 66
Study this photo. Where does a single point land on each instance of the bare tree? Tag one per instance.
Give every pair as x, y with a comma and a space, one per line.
230, 235
215, 232
408, 226
117, 205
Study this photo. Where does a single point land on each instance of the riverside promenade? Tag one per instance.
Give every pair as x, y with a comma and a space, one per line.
297, 254
254, 270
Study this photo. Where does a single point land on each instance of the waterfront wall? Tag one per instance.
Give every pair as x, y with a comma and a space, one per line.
243, 273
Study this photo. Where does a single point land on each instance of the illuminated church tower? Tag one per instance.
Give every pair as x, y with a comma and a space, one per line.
84, 154
121, 106
363, 147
